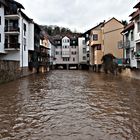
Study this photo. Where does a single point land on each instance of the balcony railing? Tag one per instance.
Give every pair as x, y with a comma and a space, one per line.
124, 44
12, 29
137, 55
11, 46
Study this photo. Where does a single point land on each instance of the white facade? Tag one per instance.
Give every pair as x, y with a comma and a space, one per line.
2, 38
67, 52
51, 53
82, 50
17, 39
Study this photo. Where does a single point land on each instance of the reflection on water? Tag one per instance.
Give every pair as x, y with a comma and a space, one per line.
70, 105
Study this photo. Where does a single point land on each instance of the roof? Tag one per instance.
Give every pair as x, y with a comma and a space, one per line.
137, 5
128, 27
26, 17
101, 25
18, 4
4, 2
113, 19
135, 14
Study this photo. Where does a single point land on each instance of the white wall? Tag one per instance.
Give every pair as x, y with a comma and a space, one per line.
82, 45
2, 29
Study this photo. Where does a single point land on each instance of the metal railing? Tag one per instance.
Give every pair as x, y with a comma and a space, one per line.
124, 44
11, 29
12, 45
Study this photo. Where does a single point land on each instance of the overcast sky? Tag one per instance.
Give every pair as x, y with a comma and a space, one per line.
79, 15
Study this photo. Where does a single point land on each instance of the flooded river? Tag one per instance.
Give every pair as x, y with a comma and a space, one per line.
70, 105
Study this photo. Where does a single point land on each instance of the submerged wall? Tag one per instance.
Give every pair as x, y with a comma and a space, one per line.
10, 70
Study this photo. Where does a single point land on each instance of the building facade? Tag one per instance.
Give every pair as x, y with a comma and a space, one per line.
131, 42
66, 52
103, 39
83, 58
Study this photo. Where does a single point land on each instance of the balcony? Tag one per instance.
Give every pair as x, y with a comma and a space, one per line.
137, 55
12, 46
12, 14
125, 44
12, 30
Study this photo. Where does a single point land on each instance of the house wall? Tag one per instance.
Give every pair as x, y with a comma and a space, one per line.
100, 40
61, 53
2, 29
31, 37
111, 36
82, 45
9, 70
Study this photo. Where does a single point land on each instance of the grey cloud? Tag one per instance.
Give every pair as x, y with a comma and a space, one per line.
77, 14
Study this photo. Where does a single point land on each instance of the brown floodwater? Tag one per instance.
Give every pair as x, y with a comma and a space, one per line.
70, 105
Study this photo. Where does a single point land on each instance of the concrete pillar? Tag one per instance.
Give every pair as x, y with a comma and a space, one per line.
67, 65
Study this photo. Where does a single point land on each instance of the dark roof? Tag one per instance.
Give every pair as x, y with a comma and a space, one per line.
26, 17
137, 5
132, 14
4, 2
128, 27
135, 14
18, 4
99, 25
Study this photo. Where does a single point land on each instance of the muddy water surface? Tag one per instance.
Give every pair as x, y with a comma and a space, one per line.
70, 105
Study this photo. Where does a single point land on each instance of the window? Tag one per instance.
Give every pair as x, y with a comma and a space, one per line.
66, 59
83, 42
132, 35
95, 37
0, 20
24, 29
0, 37
84, 50
24, 43
84, 57
57, 53
138, 23
98, 47
73, 59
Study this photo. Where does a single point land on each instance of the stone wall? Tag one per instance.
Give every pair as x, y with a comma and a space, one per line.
9, 70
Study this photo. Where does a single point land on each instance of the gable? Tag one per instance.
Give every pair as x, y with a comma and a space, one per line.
113, 25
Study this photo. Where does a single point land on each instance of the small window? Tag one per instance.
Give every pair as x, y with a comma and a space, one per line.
84, 57
73, 59
138, 23
83, 42
0, 37
24, 43
98, 47
84, 50
24, 29
95, 37
57, 53
0, 20
132, 35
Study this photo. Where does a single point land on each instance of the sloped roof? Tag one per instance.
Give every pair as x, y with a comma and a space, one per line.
135, 14
137, 5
